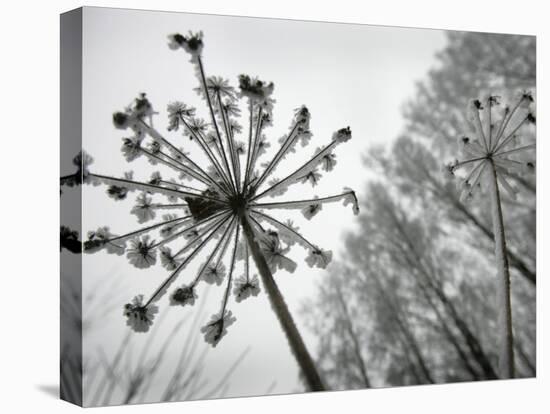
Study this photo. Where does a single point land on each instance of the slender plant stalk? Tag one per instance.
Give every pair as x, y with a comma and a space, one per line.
505, 336
297, 345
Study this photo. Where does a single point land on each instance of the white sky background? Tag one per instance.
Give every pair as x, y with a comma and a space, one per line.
352, 75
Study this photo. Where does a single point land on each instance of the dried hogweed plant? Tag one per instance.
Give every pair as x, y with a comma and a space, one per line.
223, 206
494, 157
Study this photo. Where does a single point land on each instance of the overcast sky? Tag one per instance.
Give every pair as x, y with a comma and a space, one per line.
354, 75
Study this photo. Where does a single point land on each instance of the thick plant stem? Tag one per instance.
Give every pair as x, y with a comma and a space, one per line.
297, 345
505, 336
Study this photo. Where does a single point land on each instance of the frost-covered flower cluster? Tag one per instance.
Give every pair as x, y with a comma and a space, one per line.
204, 206
138, 315
497, 142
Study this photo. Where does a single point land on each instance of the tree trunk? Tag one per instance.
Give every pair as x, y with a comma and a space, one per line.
505, 337
429, 274
297, 345
449, 334
354, 340
408, 336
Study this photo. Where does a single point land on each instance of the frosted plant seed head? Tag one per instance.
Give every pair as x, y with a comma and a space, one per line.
200, 210
496, 141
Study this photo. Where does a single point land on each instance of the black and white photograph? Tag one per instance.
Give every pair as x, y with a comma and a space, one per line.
258, 218
281, 206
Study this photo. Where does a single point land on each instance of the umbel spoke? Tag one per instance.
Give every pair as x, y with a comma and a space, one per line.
138, 185
290, 179
214, 122
285, 146
347, 197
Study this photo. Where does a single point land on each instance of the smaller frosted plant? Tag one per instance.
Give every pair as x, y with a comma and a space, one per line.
209, 209
496, 154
